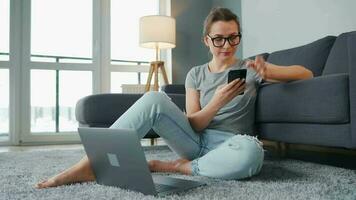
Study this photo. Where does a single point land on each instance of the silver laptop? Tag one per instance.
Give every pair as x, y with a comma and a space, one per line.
117, 159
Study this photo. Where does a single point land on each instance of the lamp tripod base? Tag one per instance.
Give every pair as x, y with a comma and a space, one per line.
155, 66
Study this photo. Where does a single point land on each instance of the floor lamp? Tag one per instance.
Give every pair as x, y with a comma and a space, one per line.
157, 32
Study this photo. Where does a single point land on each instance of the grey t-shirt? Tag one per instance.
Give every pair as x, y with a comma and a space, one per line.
237, 116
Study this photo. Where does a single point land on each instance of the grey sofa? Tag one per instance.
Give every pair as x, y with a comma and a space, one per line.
319, 111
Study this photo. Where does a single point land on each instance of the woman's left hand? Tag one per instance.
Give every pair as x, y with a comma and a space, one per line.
259, 65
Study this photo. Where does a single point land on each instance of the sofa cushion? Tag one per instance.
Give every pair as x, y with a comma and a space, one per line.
321, 100
173, 88
338, 60
312, 56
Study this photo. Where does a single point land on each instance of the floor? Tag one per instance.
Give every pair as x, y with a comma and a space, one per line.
334, 157
339, 157
144, 143
38, 148
345, 159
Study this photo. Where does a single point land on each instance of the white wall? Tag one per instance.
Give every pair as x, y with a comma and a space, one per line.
280, 24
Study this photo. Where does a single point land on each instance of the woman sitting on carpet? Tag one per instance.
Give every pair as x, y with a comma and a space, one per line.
214, 137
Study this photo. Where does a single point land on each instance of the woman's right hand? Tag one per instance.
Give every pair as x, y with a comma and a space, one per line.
225, 93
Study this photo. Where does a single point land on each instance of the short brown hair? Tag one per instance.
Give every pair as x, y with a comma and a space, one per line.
219, 14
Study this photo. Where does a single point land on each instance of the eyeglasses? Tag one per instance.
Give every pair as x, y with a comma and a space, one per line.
220, 41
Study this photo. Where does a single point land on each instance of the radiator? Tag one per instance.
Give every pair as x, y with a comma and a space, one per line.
134, 88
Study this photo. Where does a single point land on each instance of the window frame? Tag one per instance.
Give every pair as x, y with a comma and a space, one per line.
20, 66
27, 65
7, 65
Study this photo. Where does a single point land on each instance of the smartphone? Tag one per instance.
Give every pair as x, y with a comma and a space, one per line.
234, 74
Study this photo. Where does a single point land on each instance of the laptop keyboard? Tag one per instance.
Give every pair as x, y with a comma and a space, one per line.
162, 187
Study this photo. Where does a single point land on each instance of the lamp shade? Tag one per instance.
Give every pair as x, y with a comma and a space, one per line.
157, 31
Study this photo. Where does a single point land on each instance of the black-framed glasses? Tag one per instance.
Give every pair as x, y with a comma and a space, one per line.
220, 41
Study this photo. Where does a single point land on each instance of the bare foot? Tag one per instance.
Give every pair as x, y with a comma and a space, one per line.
180, 165
80, 172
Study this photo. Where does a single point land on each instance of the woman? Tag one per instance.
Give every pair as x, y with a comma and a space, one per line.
213, 137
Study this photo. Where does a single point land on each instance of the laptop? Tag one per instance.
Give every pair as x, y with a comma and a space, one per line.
117, 159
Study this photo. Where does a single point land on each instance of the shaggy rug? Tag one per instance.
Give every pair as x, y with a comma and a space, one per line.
279, 179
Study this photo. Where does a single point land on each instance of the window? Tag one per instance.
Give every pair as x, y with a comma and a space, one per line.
43, 100
4, 30
125, 49
4, 104
61, 51
4, 69
124, 30
73, 85
53, 98
120, 78
61, 31
60, 44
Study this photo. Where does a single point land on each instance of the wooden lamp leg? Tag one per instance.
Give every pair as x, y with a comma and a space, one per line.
156, 77
164, 73
155, 66
148, 84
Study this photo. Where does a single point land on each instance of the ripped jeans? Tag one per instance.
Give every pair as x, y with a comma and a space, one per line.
213, 153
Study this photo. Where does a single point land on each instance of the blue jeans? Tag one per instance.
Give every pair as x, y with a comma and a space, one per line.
212, 153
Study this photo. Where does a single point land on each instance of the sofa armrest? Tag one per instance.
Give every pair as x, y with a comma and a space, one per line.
173, 89
102, 110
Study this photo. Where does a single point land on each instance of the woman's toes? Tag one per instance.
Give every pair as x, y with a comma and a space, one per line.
39, 185
180, 161
152, 164
45, 184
